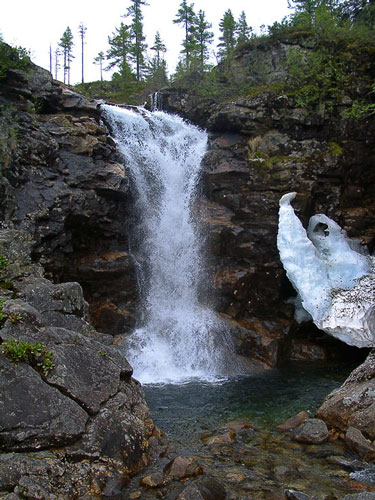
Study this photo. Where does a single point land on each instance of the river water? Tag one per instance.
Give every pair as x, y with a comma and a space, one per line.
261, 463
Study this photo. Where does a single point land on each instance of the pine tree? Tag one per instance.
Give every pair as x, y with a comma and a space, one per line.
99, 60
243, 30
57, 62
188, 19
158, 47
306, 6
203, 38
359, 11
157, 70
82, 32
66, 43
227, 39
120, 47
138, 46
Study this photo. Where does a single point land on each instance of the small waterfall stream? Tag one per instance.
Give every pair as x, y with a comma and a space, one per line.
178, 338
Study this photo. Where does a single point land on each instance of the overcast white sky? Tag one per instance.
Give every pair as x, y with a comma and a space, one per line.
35, 24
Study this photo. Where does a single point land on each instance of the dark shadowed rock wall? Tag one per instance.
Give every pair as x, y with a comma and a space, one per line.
261, 147
62, 183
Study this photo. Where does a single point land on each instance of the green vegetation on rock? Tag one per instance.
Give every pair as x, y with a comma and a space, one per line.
12, 58
3, 261
34, 354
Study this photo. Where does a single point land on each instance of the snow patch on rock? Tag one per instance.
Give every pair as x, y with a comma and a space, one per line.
334, 279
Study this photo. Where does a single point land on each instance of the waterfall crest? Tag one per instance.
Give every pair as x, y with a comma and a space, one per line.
178, 338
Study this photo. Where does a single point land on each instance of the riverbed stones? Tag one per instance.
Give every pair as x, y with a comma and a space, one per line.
356, 441
293, 422
182, 467
312, 431
205, 488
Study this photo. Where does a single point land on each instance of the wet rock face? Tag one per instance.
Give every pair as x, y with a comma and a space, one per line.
62, 183
259, 148
72, 390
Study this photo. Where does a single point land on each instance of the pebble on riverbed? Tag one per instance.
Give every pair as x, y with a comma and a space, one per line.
183, 467
311, 431
220, 439
239, 426
205, 488
356, 441
155, 480
293, 422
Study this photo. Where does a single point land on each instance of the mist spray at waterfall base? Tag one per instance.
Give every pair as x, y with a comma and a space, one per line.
178, 339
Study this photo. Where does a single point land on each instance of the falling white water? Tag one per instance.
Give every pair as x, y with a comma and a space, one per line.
179, 339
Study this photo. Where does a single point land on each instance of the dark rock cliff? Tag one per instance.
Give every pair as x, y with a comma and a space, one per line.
73, 422
262, 146
62, 184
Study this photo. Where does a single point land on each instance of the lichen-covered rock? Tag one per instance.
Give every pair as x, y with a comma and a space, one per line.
62, 384
45, 475
363, 495
15, 247
32, 413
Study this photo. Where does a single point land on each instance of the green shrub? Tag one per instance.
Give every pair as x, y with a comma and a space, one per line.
35, 354
12, 58
3, 316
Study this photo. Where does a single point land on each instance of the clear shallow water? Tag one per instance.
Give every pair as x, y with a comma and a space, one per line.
266, 399
261, 463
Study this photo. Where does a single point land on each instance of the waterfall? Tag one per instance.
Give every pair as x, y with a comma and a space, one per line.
156, 101
178, 338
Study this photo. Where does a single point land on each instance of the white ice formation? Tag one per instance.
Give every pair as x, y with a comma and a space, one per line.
335, 282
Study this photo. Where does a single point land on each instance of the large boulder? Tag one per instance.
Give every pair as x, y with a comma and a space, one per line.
353, 404
62, 385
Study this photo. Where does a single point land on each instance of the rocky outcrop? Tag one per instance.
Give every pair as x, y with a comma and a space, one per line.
62, 183
353, 404
72, 419
262, 146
